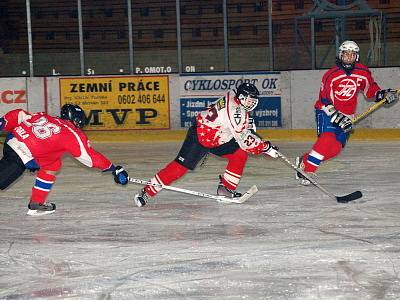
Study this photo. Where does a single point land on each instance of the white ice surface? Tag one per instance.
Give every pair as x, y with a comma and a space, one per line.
287, 242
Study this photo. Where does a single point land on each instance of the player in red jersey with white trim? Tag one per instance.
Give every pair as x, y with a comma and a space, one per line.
337, 104
37, 141
224, 129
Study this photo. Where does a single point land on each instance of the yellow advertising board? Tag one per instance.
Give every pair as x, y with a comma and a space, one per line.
120, 103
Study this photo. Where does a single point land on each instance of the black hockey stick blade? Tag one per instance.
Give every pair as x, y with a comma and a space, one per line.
350, 197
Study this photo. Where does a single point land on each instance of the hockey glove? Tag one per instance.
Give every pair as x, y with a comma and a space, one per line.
329, 109
337, 118
270, 150
389, 95
342, 121
120, 175
32, 166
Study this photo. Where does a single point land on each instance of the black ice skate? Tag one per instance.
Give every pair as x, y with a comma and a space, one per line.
141, 198
36, 209
224, 191
299, 163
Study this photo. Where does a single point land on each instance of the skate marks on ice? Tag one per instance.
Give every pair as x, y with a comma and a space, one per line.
286, 242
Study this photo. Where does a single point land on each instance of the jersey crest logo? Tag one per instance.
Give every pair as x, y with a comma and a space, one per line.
237, 116
346, 89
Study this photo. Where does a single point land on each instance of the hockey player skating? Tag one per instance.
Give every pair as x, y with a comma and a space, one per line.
37, 141
224, 129
336, 106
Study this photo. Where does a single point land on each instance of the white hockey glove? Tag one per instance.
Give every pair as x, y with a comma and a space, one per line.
270, 150
337, 118
389, 95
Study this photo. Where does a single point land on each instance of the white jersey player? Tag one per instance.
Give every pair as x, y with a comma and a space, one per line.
228, 119
224, 129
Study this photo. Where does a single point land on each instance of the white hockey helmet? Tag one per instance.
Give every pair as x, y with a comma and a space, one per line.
247, 93
348, 55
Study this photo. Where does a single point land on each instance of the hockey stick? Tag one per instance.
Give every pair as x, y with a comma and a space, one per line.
370, 110
340, 199
222, 199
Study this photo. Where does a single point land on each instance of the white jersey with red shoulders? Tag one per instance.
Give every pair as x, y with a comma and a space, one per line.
45, 139
341, 88
226, 119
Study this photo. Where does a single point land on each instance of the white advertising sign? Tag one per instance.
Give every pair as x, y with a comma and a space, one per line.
13, 94
198, 91
268, 83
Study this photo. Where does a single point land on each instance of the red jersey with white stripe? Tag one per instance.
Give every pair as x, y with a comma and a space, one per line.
224, 120
46, 139
341, 89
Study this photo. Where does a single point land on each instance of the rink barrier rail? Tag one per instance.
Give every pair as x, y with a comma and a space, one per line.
295, 135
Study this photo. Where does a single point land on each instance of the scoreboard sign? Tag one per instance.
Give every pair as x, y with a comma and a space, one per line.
120, 103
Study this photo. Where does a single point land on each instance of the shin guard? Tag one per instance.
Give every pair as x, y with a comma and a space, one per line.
234, 169
326, 147
43, 184
166, 176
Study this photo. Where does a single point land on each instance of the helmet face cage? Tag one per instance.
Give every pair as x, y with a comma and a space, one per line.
347, 48
248, 102
75, 114
247, 93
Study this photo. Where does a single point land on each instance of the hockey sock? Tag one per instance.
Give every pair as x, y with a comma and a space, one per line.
326, 147
166, 176
43, 184
234, 169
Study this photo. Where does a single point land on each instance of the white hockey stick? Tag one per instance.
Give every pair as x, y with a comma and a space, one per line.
223, 199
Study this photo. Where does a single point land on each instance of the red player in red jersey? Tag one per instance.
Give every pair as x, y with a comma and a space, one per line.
337, 104
37, 141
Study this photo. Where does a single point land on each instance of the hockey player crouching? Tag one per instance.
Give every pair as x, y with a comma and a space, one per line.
37, 141
337, 104
225, 130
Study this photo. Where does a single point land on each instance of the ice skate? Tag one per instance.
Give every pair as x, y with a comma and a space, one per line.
224, 191
36, 209
299, 176
141, 198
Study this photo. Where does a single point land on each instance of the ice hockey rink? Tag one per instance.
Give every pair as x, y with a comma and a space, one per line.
286, 242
